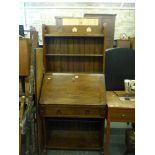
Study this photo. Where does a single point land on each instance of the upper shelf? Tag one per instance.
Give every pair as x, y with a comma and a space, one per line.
80, 55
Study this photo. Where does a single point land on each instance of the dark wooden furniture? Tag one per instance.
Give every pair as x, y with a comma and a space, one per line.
28, 138
89, 21
39, 71
73, 48
123, 43
132, 40
25, 50
72, 101
126, 43
108, 20
117, 111
21, 115
72, 107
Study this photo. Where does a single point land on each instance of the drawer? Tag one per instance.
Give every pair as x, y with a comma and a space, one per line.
122, 115
73, 111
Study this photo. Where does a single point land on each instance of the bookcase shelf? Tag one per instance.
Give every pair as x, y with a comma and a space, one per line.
86, 136
78, 55
69, 51
73, 35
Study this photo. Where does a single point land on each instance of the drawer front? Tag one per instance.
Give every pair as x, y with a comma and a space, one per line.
81, 112
122, 115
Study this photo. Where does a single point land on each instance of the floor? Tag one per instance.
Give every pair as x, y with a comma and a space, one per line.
117, 144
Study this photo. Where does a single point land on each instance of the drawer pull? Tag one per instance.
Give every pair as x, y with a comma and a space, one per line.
87, 112
58, 112
42, 111
122, 115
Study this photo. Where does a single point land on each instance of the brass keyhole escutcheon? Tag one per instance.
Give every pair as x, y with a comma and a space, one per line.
122, 115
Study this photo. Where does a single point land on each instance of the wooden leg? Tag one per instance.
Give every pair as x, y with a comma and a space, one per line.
39, 134
23, 83
102, 136
20, 141
107, 141
44, 152
44, 136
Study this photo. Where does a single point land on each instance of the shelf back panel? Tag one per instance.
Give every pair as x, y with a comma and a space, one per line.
74, 45
75, 64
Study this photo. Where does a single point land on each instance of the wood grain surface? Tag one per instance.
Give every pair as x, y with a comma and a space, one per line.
73, 89
113, 100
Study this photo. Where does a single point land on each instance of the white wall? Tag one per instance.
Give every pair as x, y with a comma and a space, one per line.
35, 14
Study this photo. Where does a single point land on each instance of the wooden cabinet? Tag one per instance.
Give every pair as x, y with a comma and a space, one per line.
108, 20
126, 43
72, 100
73, 48
132, 40
122, 115
117, 111
123, 43
72, 107
25, 50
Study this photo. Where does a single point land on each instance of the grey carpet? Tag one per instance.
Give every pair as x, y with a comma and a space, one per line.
117, 146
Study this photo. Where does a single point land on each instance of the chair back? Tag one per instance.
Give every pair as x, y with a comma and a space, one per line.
119, 65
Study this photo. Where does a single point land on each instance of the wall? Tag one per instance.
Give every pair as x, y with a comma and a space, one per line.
36, 14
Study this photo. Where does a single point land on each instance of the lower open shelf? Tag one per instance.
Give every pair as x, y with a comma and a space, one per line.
77, 134
84, 140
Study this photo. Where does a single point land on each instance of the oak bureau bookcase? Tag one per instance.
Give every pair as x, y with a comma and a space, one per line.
72, 101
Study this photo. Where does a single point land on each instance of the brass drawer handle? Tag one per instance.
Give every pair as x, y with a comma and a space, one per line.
42, 111
87, 112
58, 112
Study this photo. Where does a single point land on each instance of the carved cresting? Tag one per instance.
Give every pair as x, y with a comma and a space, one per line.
74, 29
88, 29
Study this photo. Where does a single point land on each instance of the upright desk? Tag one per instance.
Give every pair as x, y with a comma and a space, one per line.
117, 111
70, 98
